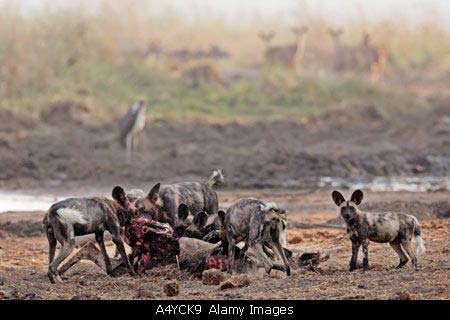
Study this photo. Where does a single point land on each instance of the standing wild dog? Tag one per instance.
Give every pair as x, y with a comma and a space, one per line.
395, 228
133, 195
258, 224
80, 216
163, 201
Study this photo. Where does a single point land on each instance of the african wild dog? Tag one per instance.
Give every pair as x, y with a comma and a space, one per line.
133, 195
260, 225
395, 228
80, 216
163, 201
199, 226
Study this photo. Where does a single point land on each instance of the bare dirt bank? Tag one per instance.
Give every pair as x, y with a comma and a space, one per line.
357, 143
24, 260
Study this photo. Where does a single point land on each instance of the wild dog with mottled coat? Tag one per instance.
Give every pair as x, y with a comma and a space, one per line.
199, 226
259, 224
80, 216
395, 228
163, 200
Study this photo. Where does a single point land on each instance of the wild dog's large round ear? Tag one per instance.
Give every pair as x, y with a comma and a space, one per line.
338, 198
183, 211
200, 219
357, 197
221, 215
154, 193
118, 194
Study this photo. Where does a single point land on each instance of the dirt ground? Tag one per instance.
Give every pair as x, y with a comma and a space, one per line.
67, 150
24, 258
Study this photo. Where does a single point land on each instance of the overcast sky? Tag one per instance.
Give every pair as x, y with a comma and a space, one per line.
337, 11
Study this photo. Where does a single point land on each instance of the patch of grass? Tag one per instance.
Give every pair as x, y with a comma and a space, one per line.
94, 57
271, 96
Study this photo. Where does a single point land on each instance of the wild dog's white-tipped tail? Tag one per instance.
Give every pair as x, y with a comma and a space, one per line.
420, 246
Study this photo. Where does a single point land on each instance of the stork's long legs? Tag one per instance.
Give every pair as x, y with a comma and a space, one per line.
129, 142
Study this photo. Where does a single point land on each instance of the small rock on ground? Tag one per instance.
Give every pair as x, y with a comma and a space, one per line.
144, 294
238, 281
212, 277
400, 296
172, 288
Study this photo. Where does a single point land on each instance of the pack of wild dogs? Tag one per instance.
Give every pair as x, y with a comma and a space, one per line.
249, 230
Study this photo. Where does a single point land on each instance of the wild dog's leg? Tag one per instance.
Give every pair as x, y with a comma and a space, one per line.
66, 250
280, 250
365, 247
68, 244
403, 257
115, 232
243, 251
101, 243
231, 250
122, 234
406, 244
268, 250
268, 265
51, 244
355, 248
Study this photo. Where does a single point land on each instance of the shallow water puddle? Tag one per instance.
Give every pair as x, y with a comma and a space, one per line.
21, 201
381, 184
12, 201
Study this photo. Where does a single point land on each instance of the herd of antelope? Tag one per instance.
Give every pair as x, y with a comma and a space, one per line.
365, 56
191, 211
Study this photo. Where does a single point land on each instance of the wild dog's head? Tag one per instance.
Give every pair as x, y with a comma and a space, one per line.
217, 179
272, 209
135, 194
349, 209
152, 204
184, 219
125, 209
188, 225
275, 221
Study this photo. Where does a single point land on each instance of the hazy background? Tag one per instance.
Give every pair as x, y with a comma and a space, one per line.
335, 11
373, 102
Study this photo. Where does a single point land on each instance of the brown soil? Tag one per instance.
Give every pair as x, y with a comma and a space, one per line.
24, 260
70, 113
64, 149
